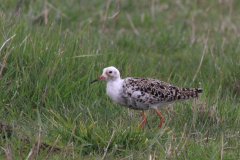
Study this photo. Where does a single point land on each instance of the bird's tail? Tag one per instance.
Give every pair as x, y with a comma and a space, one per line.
187, 93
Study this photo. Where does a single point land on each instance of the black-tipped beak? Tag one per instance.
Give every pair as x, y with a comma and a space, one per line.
99, 78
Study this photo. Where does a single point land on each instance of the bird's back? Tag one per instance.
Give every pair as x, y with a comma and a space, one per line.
142, 93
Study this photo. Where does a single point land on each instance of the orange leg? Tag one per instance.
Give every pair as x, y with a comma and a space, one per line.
161, 117
143, 119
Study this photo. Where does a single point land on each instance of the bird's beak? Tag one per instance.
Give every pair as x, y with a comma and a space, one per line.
99, 78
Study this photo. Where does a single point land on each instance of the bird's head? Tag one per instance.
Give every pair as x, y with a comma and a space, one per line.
109, 74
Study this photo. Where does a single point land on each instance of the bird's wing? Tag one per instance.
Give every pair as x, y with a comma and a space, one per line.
155, 91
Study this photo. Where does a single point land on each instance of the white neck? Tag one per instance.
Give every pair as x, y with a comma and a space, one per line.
114, 88
117, 80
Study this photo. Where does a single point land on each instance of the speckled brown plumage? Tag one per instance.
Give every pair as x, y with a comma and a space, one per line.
154, 92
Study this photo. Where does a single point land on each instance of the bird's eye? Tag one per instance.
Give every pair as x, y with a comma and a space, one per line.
110, 72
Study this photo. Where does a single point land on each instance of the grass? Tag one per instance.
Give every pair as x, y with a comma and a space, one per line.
60, 46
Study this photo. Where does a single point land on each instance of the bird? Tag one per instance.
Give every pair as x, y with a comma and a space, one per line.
144, 93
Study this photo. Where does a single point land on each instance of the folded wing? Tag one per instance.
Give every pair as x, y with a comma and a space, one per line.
152, 91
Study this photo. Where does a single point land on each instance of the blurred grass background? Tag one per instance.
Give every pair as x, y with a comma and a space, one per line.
51, 50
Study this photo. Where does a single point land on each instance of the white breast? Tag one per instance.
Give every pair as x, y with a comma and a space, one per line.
114, 90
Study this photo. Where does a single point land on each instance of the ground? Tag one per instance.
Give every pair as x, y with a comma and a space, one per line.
50, 51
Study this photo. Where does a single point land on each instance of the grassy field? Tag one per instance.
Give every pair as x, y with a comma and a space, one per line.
52, 50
